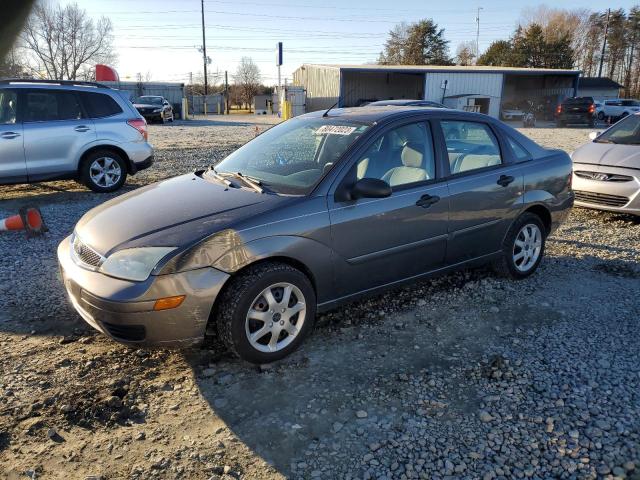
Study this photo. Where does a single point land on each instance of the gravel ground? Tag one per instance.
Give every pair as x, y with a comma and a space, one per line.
467, 376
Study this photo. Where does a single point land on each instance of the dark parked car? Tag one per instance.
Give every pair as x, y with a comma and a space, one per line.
154, 108
317, 211
405, 103
576, 110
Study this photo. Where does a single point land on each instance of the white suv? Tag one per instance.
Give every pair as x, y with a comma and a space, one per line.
618, 108
51, 130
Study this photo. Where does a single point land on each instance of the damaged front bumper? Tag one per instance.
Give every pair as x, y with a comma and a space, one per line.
124, 310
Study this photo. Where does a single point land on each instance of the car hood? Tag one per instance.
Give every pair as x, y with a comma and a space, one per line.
625, 156
177, 212
146, 105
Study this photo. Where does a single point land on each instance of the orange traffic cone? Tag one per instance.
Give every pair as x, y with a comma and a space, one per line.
28, 219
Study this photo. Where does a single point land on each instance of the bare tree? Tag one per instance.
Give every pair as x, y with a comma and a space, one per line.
465, 53
11, 66
247, 78
65, 43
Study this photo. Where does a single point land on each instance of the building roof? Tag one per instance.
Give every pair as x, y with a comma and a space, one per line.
445, 68
598, 82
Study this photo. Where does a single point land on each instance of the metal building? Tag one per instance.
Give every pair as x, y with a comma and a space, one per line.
479, 88
598, 88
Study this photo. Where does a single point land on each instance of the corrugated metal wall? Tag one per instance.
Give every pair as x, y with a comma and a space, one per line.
488, 84
214, 102
321, 83
361, 86
518, 87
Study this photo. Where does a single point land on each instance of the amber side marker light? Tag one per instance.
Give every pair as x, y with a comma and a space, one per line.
168, 302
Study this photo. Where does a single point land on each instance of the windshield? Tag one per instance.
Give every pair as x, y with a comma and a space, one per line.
626, 132
149, 100
292, 157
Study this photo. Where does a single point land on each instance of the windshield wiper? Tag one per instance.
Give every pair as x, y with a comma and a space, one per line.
603, 140
252, 182
220, 178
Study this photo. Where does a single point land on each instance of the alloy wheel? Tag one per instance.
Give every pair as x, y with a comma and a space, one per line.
275, 317
527, 247
105, 172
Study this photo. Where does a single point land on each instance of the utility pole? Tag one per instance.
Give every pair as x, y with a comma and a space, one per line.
204, 51
226, 90
478, 34
604, 43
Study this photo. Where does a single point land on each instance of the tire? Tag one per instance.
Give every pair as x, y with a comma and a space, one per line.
508, 266
601, 116
245, 294
107, 160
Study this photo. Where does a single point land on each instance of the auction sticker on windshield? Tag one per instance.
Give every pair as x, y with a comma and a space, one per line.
335, 130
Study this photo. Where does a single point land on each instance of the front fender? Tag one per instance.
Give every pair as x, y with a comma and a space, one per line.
314, 255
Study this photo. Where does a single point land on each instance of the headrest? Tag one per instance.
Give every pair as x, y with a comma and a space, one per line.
412, 155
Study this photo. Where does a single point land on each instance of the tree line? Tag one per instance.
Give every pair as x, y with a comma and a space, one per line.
543, 38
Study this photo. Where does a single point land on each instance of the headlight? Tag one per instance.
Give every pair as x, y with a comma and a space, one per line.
134, 264
157, 110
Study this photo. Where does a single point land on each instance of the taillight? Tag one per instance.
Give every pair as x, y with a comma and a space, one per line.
140, 124
592, 108
559, 109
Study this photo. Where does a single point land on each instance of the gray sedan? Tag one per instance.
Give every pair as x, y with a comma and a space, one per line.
607, 169
317, 211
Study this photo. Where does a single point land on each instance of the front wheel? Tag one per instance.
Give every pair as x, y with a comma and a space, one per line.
266, 312
523, 247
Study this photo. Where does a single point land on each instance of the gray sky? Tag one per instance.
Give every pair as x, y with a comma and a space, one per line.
162, 37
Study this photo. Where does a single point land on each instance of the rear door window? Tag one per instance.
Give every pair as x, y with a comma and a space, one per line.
470, 145
8, 107
51, 105
99, 105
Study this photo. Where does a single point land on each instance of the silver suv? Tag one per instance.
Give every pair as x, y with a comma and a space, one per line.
52, 130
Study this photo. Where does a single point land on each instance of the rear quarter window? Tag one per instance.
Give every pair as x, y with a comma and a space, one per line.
99, 105
521, 154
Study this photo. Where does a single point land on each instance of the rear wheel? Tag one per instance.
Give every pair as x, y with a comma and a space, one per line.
600, 116
266, 312
523, 247
103, 171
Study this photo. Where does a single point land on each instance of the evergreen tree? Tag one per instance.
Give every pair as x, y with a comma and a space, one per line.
420, 43
499, 54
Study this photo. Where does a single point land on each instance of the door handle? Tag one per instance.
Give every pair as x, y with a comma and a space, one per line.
82, 128
9, 135
427, 200
505, 180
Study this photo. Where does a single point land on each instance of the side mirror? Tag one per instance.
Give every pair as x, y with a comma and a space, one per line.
594, 135
370, 188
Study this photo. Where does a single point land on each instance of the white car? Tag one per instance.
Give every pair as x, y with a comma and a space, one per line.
606, 171
511, 114
619, 107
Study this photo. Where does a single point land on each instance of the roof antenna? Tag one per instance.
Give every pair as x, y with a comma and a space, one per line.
326, 114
